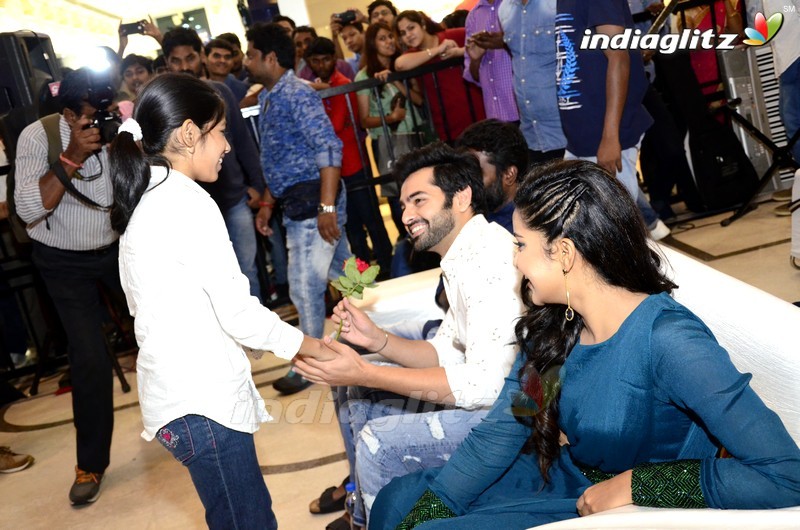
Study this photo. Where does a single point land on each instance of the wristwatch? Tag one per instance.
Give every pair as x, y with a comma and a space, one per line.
326, 208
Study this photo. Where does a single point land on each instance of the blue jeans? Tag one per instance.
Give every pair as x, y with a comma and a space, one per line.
391, 442
790, 103
312, 262
225, 472
627, 178
242, 231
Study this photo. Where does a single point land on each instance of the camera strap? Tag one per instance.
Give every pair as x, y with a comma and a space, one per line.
50, 123
59, 171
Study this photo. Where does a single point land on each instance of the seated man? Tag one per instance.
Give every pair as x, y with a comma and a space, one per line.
503, 155
463, 366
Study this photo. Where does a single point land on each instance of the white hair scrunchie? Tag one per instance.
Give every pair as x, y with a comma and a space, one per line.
132, 127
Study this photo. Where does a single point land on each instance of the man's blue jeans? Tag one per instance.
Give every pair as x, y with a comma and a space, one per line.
628, 179
312, 262
225, 472
391, 442
242, 231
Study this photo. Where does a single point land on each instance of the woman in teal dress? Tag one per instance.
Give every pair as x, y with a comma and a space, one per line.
620, 394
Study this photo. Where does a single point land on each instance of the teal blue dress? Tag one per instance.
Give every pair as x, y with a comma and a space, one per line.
661, 389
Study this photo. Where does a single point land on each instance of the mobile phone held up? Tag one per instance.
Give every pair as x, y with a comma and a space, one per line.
132, 27
345, 17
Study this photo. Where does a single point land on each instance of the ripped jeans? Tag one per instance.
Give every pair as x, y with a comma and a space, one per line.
391, 442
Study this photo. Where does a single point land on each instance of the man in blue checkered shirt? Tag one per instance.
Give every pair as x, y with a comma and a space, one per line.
302, 158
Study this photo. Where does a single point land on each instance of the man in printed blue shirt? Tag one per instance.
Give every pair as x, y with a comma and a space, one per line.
302, 157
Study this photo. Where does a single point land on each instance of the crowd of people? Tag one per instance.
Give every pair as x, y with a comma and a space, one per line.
516, 170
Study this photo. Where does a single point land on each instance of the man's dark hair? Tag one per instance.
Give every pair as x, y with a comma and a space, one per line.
181, 37
321, 46
132, 59
74, 89
502, 142
231, 38
305, 29
378, 3
353, 24
219, 43
159, 62
282, 18
268, 38
456, 19
453, 171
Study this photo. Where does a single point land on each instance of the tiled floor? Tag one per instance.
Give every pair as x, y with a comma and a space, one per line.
301, 453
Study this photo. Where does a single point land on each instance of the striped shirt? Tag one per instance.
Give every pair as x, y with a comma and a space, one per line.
71, 225
496, 79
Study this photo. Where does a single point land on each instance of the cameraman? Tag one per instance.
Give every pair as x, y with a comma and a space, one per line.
74, 247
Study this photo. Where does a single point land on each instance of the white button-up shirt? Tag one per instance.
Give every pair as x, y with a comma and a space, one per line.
475, 342
193, 311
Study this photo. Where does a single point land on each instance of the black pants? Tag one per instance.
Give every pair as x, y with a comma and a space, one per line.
362, 213
72, 282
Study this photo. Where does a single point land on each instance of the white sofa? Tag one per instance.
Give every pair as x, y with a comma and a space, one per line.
759, 331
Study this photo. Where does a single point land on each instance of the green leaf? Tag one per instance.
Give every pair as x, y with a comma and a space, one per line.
346, 282
357, 295
359, 288
351, 270
369, 275
339, 287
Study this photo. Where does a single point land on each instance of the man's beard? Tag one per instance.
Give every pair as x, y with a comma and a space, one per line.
495, 196
438, 228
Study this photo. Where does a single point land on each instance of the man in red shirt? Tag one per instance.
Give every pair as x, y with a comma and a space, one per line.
362, 202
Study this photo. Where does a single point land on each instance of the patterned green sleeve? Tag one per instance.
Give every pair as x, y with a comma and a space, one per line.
668, 485
427, 508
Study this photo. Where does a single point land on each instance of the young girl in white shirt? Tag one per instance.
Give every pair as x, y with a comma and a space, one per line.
192, 305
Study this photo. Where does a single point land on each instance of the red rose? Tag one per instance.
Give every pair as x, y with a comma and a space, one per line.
361, 265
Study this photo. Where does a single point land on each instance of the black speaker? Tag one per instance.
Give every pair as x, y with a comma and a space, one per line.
27, 64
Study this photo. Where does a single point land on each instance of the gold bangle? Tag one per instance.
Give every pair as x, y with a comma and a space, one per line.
385, 334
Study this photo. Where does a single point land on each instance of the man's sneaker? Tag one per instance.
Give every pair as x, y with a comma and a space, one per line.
86, 487
11, 462
291, 383
660, 231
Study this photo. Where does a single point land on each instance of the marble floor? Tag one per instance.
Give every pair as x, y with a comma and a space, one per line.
301, 452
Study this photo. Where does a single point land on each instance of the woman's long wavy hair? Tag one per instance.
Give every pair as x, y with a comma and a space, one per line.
580, 201
370, 57
163, 106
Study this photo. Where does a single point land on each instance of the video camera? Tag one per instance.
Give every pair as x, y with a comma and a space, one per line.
100, 96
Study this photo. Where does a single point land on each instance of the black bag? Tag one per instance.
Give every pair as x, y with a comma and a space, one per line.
402, 143
301, 201
725, 175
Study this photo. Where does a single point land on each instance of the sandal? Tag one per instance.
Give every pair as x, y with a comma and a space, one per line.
326, 503
339, 524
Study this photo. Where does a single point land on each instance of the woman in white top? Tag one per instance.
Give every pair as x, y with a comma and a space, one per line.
192, 305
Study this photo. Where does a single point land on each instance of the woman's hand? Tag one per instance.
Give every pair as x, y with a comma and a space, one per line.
383, 75
445, 46
397, 115
611, 493
346, 368
357, 328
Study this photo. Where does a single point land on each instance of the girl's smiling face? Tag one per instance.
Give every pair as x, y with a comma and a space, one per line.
410, 32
